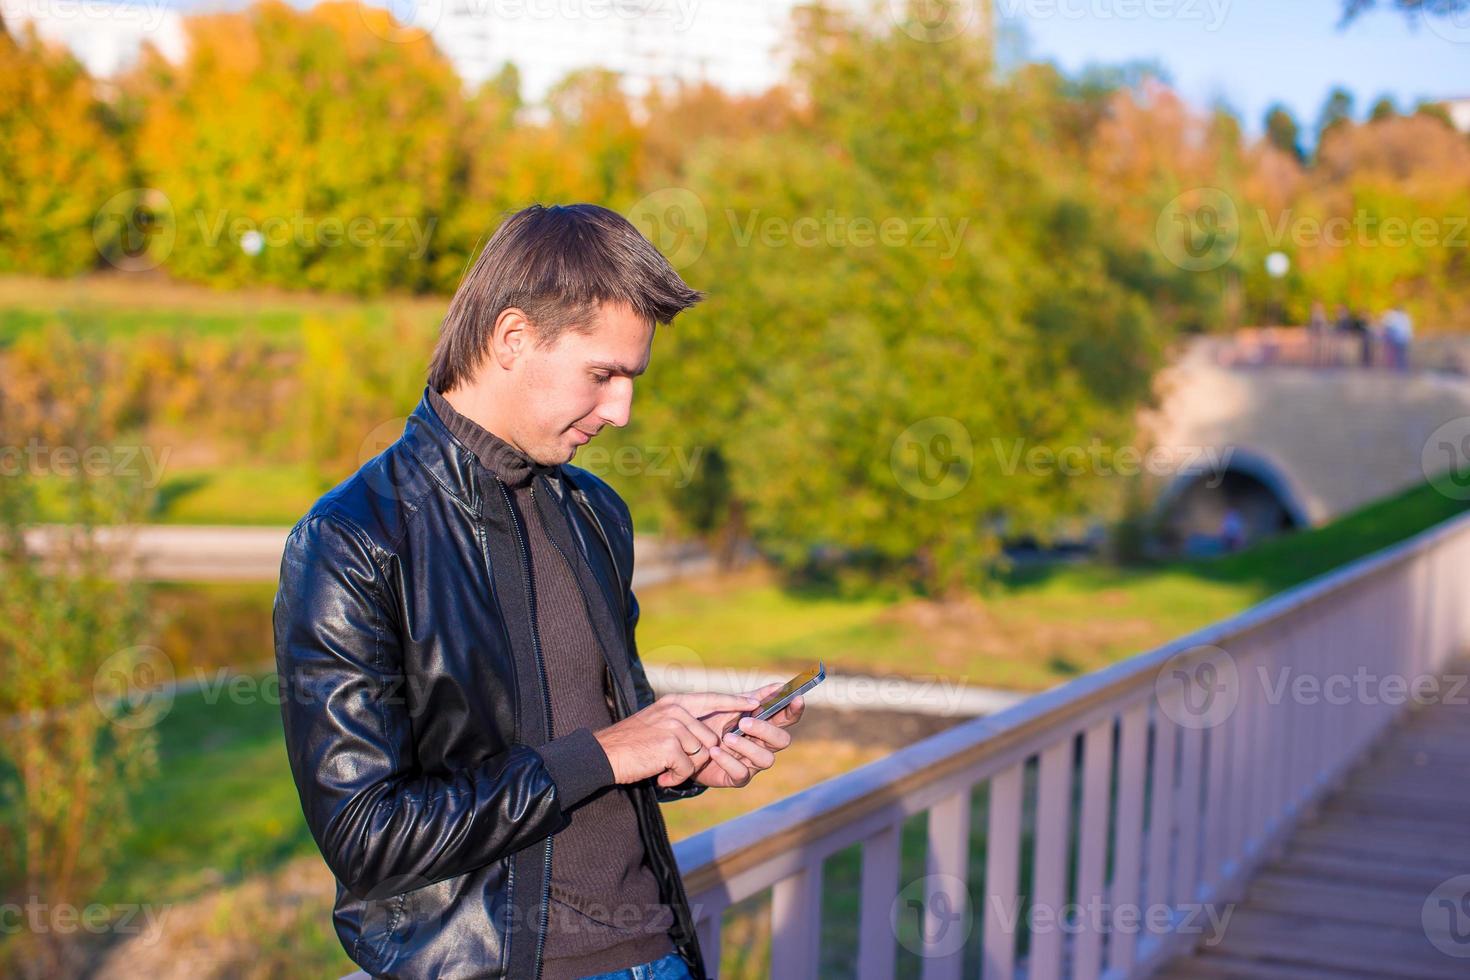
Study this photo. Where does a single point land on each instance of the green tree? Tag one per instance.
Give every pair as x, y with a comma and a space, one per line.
310, 129
78, 692
1283, 132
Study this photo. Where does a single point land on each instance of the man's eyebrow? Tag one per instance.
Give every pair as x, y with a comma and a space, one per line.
617, 368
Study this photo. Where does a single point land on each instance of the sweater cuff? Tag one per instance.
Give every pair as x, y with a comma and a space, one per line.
578, 765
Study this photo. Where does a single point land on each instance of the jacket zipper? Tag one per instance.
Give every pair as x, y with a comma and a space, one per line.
545, 700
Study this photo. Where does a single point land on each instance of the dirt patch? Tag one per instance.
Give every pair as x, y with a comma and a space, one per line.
955, 634
248, 931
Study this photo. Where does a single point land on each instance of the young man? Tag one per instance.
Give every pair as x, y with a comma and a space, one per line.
478, 752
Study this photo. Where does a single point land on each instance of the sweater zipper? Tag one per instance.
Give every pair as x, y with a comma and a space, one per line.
545, 700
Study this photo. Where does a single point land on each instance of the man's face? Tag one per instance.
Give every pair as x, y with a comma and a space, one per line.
581, 383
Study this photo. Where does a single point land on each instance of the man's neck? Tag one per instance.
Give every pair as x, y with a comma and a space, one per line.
481, 408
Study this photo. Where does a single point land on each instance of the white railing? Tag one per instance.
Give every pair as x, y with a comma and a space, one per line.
1174, 774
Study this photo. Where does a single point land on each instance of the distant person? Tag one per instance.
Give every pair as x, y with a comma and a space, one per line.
1358, 326
1398, 332
1232, 530
1345, 329
1318, 335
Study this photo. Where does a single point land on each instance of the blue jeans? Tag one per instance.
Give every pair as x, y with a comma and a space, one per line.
670, 967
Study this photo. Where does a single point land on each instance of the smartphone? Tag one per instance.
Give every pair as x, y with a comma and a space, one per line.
799, 684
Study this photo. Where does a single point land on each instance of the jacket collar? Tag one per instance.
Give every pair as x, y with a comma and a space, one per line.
452, 463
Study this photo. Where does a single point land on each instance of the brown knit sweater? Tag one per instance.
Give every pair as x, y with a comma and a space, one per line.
606, 912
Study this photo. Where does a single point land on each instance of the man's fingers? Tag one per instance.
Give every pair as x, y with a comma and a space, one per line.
703, 702
692, 724
749, 750
681, 766
737, 771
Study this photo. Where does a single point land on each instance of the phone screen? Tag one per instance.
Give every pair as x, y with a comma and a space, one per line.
768, 706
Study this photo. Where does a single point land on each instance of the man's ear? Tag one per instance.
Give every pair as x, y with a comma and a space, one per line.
512, 336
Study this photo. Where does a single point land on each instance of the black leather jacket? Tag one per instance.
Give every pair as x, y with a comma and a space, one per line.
414, 700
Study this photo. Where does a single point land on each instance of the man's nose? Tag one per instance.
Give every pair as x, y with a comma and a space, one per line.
618, 406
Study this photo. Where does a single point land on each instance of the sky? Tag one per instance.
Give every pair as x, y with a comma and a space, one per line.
1251, 53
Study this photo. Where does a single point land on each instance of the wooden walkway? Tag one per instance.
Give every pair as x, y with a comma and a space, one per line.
1349, 896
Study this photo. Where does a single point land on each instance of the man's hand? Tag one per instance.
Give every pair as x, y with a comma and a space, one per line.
738, 758
667, 739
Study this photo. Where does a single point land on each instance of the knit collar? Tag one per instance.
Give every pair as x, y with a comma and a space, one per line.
511, 466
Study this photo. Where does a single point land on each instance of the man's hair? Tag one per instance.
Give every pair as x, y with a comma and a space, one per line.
558, 265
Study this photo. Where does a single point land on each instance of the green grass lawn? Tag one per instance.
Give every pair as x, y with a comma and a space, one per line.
1037, 628
123, 306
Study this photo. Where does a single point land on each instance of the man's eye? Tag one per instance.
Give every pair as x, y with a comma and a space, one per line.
601, 379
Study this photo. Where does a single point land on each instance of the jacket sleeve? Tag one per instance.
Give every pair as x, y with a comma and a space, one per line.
383, 826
